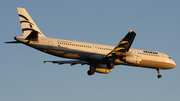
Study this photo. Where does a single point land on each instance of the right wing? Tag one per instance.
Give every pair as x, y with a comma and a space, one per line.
123, 46
69, 62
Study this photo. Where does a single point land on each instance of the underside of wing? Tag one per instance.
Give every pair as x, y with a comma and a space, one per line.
69, 62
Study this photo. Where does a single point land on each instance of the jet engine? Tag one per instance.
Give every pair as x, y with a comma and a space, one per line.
102, 70
134, 59
99, 69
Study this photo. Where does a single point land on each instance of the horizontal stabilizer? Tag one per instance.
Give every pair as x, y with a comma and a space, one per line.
13, 42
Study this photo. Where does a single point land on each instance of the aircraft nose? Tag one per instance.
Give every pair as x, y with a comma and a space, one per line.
173, 64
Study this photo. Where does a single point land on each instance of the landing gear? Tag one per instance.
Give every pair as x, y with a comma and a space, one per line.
110, 66
159, 75
91, 70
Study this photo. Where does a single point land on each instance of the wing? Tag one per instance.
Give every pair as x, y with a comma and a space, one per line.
69, 62
124, 45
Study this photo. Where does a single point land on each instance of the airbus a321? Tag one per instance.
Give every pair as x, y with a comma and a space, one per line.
100, 58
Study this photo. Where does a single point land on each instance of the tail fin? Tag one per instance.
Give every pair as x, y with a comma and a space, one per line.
27, 24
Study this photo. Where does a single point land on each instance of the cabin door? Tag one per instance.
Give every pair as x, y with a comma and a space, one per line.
50, 43
95, 48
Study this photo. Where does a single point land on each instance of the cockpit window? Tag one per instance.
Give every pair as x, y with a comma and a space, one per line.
169, 57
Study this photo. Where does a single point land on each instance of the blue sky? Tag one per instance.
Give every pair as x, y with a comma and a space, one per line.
24, 77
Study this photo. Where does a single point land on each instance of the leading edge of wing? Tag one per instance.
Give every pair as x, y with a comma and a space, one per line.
124, 45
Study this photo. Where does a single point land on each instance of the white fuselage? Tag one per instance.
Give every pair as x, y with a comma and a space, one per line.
95, 52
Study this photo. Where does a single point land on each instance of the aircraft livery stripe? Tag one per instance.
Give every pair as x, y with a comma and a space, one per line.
159, 62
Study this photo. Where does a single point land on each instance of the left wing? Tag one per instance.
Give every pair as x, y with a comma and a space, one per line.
123, 46
69, 62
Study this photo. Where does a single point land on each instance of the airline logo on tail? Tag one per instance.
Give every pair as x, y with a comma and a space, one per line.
27, 24
26, 21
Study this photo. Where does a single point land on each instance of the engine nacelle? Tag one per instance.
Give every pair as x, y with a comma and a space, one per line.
102, 70
134, 59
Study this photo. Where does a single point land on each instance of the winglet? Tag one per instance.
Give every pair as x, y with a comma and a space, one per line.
130, 30
44, 61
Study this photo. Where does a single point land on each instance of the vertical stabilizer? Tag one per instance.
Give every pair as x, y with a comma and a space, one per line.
27, 24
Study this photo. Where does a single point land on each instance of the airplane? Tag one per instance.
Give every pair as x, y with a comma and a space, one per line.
100, 58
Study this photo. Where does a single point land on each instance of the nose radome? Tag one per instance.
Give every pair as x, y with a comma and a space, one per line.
174, 64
